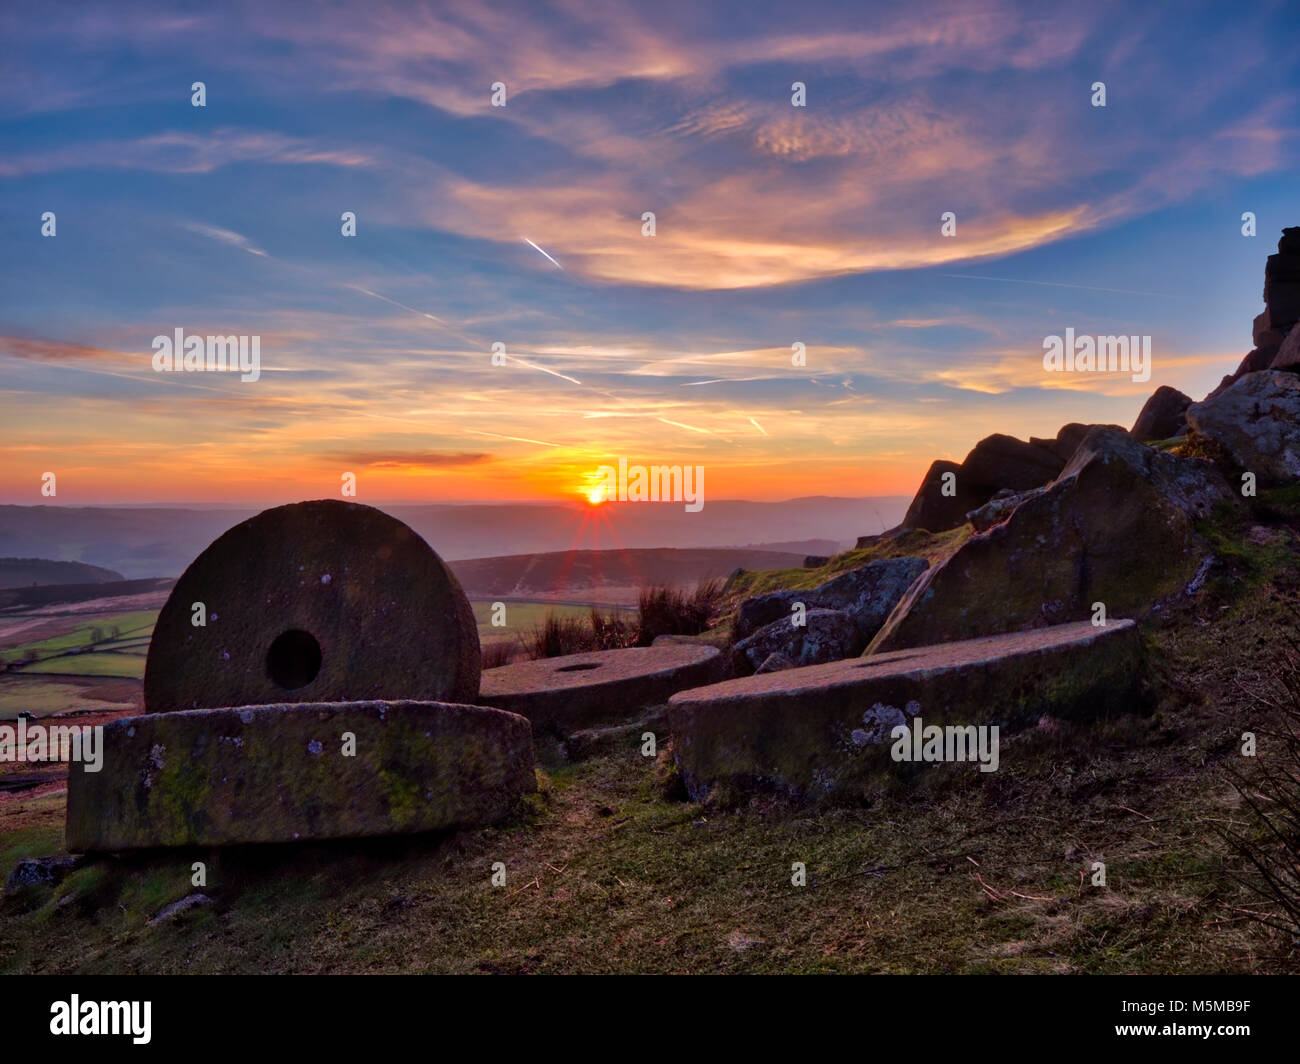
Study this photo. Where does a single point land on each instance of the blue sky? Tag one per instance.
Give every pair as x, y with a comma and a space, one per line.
774, 224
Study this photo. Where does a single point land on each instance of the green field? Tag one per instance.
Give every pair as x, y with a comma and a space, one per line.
131, 628
523, 617
130, 666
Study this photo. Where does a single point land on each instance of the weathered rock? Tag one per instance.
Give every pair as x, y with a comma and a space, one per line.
1288, 355
1282, 281
1257, 422
280, 773
197, 900
935, 511
578, 691
823, 731
761, 610
1000, 461
776, 662
825, 635
323, 601
999, 508
1264, 334
815, 561
1117, 526
1163, 416
867, 594
41, 871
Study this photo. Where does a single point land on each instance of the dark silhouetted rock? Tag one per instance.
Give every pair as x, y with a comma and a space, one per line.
1257, 422
1282, 281
825, 731
1288, 355
323, 601
1163, 416
815, 561
935, 511
1264, 334
1005, 462
1117, 526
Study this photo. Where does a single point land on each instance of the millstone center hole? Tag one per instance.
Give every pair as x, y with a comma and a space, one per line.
294, 659
579, 668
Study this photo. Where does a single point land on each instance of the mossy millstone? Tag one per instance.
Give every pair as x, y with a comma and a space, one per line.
323, 601
280, 773
823, 731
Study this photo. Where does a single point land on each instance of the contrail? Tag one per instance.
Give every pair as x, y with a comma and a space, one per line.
758, 426
543, 369
519, 439
547, 254
681, 426
1060, 284
394, 302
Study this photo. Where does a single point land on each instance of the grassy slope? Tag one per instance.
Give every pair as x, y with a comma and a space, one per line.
606, 875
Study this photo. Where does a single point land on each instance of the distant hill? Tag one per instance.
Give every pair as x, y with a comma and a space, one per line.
573, 572
26, 572
144, 541
23, 598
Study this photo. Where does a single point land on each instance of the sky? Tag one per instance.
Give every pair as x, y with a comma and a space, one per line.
522, 225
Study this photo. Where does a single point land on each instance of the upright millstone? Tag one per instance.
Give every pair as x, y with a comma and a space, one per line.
322, 601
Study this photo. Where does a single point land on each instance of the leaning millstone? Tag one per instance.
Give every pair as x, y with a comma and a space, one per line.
323, 601
577, 691
824, 731
297, 771
1257, 421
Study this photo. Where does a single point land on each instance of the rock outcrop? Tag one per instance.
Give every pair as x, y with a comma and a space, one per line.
1117, 527
997, 463
1163, 416
824, 635
1276, 339
1257, 422
840, 617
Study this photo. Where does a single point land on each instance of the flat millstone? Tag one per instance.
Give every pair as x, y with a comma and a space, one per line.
387, 618
824, 730
577, 691
278, 773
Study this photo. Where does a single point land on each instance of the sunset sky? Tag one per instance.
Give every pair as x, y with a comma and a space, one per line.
775, 225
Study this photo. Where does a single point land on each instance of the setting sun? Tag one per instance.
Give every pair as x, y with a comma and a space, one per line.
595, 495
